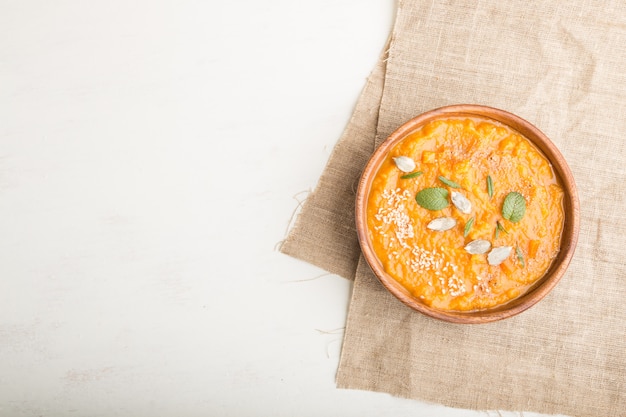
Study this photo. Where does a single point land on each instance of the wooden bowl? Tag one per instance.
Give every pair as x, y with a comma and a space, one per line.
569, 235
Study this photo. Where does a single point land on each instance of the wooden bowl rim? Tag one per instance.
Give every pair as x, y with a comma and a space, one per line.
569, 236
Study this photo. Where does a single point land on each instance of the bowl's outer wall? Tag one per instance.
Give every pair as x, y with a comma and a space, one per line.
569, 236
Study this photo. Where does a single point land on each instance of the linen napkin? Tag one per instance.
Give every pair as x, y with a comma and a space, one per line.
561, 66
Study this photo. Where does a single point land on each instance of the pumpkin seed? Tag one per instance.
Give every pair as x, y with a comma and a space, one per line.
499, 255
404, 163
461, 202
478, 246
442, 224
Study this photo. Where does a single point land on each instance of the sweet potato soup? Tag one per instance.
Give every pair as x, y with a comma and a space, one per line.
465, 213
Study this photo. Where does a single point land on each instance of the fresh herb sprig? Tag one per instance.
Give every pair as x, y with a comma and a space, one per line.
500, 228
489, 186
412, 175
514, 207
434, 198
468, 227
449, 183
520, 256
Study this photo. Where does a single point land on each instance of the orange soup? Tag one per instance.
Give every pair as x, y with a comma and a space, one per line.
465, 213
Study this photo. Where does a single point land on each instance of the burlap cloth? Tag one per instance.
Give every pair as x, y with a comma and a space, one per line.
561, 66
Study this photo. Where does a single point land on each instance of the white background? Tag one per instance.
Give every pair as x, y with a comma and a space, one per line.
151, 156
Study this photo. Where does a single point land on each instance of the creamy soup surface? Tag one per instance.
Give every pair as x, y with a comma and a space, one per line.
465, 213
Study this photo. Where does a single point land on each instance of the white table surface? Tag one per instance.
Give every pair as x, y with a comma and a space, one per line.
151, 156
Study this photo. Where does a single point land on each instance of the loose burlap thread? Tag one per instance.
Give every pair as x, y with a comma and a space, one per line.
559, 66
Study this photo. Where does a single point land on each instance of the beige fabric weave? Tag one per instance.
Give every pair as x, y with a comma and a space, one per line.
325, 233
561, 66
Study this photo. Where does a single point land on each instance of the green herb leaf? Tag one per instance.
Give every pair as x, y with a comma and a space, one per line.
514, 207
449, 183
468, 227
434, 198
411, 175
500, 228
520, 256
489, 186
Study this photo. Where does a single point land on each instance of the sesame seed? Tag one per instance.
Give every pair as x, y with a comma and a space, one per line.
395, 213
